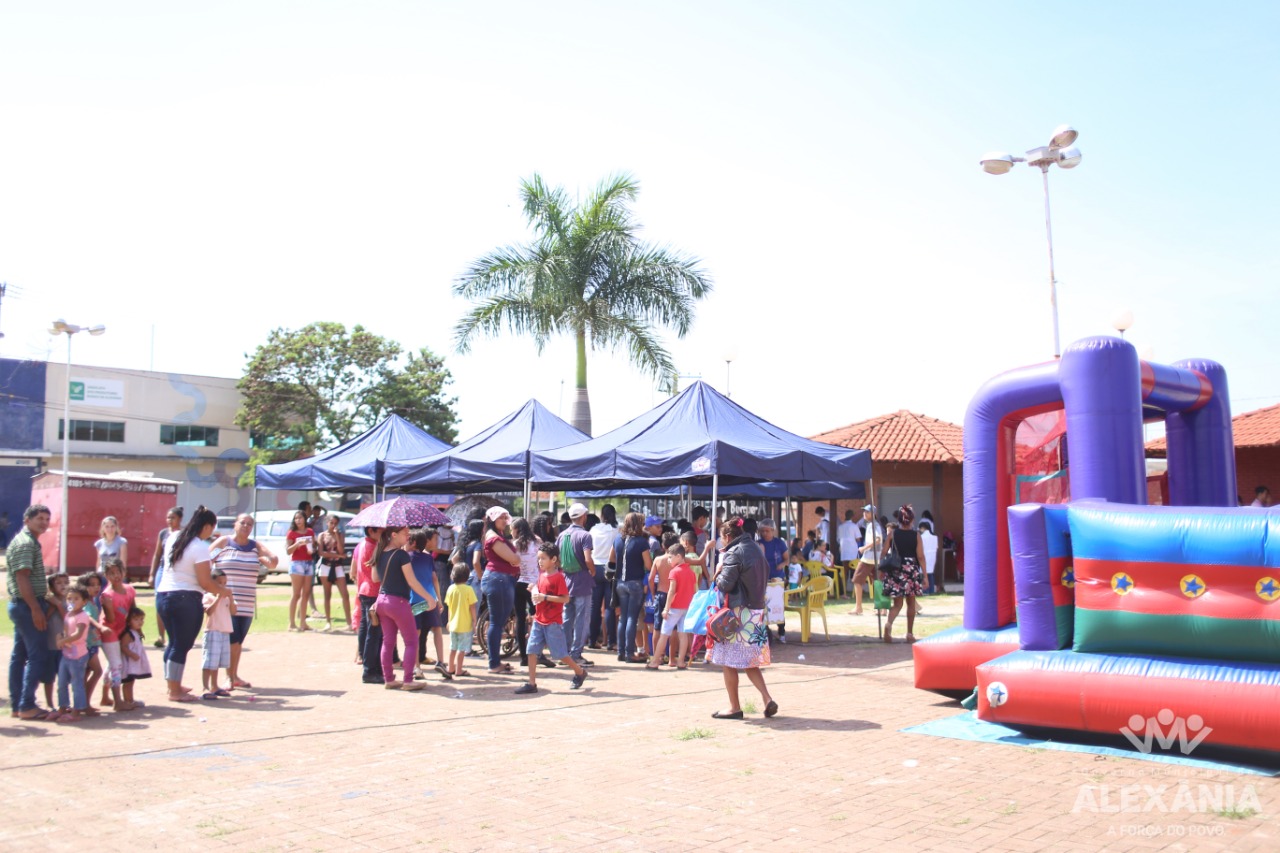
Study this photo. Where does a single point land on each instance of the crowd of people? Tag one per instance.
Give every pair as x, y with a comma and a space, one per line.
640, 588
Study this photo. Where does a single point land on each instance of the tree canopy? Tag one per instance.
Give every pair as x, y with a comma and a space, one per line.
316, 387
586, 274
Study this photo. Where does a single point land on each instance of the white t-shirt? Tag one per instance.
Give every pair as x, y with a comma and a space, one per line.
823, 530
181, 575
602, 536
847, 533
872, 534
930, 544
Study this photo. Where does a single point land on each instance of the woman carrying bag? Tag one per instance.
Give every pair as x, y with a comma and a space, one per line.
741, 579
906, 579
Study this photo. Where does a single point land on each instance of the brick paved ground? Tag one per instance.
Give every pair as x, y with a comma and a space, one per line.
318, 761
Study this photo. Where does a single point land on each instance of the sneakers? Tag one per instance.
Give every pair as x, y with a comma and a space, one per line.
583, 662
372, 679
543, 660
783, 639
577, 680
527, 688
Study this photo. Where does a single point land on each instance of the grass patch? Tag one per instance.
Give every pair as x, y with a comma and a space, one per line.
1010, 809
698, 733
749, 707
1236, 814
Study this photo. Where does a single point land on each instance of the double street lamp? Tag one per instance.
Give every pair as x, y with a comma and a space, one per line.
1061, 151
62, 327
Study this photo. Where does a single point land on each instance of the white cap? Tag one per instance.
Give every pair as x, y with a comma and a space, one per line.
496, 512
578, 510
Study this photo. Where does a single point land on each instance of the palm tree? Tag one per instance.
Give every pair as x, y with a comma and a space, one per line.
588, 275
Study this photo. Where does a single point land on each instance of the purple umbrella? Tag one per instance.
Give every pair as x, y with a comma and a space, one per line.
399, 512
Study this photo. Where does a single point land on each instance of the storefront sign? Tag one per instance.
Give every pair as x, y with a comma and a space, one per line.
108, 393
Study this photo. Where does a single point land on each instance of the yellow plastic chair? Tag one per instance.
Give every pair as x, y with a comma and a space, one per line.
817, 569
808, 599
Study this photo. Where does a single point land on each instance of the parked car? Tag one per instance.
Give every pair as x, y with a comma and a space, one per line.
271, 527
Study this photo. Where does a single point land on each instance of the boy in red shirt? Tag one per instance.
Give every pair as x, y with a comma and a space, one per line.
548, 621
683, 582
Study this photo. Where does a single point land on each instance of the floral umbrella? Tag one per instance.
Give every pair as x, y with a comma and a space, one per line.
399, 512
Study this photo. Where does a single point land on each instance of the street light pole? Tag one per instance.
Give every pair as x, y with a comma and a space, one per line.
1060, 151
62, 327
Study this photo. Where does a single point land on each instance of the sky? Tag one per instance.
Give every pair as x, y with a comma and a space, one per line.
196, 175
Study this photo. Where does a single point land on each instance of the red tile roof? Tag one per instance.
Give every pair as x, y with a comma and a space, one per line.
1259, 428
902, 437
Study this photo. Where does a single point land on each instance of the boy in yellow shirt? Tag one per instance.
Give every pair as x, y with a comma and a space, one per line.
461, 601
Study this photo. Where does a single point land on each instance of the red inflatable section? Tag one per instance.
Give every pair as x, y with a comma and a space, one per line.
1189, 703
945, 662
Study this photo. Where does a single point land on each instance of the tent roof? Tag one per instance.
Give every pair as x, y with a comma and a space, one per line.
1259, 428
902, 437
807, 491
495, 459
688, 439
357, 463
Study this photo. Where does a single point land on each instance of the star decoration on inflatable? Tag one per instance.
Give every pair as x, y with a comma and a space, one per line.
1121, 583
1192, 586
1268, 589
1069, 577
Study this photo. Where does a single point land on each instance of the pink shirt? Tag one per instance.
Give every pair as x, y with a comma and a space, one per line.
71, 623
365, 584
219, 618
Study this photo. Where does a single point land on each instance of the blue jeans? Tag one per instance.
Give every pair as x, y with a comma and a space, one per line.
183, 616
26, 664
631, 601
577, 619
71, 675
500, 594
599, 597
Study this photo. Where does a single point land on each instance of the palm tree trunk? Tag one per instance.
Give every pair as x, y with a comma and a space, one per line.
581, 417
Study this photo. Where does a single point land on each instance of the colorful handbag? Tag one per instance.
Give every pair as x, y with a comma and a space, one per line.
724, 624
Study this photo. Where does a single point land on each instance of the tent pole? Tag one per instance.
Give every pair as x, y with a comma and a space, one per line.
253, 505
715, 496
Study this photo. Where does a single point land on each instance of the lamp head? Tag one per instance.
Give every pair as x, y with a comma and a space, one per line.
997, 162
1063, 136
1123, 321
97, 330
58, 327
1069, 158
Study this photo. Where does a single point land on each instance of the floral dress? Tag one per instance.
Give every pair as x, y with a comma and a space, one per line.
908, 580
749, 647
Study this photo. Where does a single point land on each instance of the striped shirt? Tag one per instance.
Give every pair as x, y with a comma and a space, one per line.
24, 554
240, 562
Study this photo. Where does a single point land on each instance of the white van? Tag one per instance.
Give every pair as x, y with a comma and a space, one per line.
271, 527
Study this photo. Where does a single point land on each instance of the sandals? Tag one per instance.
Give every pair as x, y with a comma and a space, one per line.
462, 673
240, 684
505, 669
727, 715
68, 718
911, 638
222, 693
183, 697
412, 685
209, 696
888, 637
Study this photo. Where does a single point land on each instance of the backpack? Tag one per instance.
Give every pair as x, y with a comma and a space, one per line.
568, 557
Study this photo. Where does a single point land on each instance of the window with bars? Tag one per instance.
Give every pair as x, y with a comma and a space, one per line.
188, 435
112, 431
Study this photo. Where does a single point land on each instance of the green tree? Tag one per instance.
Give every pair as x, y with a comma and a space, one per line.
586, 274
319, 386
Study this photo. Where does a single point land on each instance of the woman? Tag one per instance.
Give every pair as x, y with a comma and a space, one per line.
173, 523
301, 569
498, 583
473, 548
111, 544
905, 582
631, 554
241, 558
602, 536
186, 578
333, 552
393, 569
525, 544
741, 580
426, 615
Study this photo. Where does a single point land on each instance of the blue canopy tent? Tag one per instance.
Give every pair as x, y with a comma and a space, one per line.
699, 437
493, 460
812, 491
358, 463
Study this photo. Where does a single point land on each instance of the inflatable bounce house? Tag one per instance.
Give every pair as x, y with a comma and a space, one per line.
1085, 608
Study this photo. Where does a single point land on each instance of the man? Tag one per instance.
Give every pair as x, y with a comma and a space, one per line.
1261, 496
577, 610
775, 557
823, 528
653, 526
847, 538
368, 636
27, 587
872, 544
701, 518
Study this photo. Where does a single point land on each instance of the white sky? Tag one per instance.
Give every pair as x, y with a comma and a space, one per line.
218, 170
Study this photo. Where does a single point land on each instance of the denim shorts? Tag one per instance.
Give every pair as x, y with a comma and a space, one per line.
302, 567
52, 660
549, 637
217, 650
673, 622
460, 641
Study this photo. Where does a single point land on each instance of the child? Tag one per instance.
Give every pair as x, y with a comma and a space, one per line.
217, 635
795, 568
134, 649
92, 583
549, 598
461, 601
55, 609
117, 600
75, 654
697, 562
426, 614
682, 583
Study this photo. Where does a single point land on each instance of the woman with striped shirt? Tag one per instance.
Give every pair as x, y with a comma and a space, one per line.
241, 558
